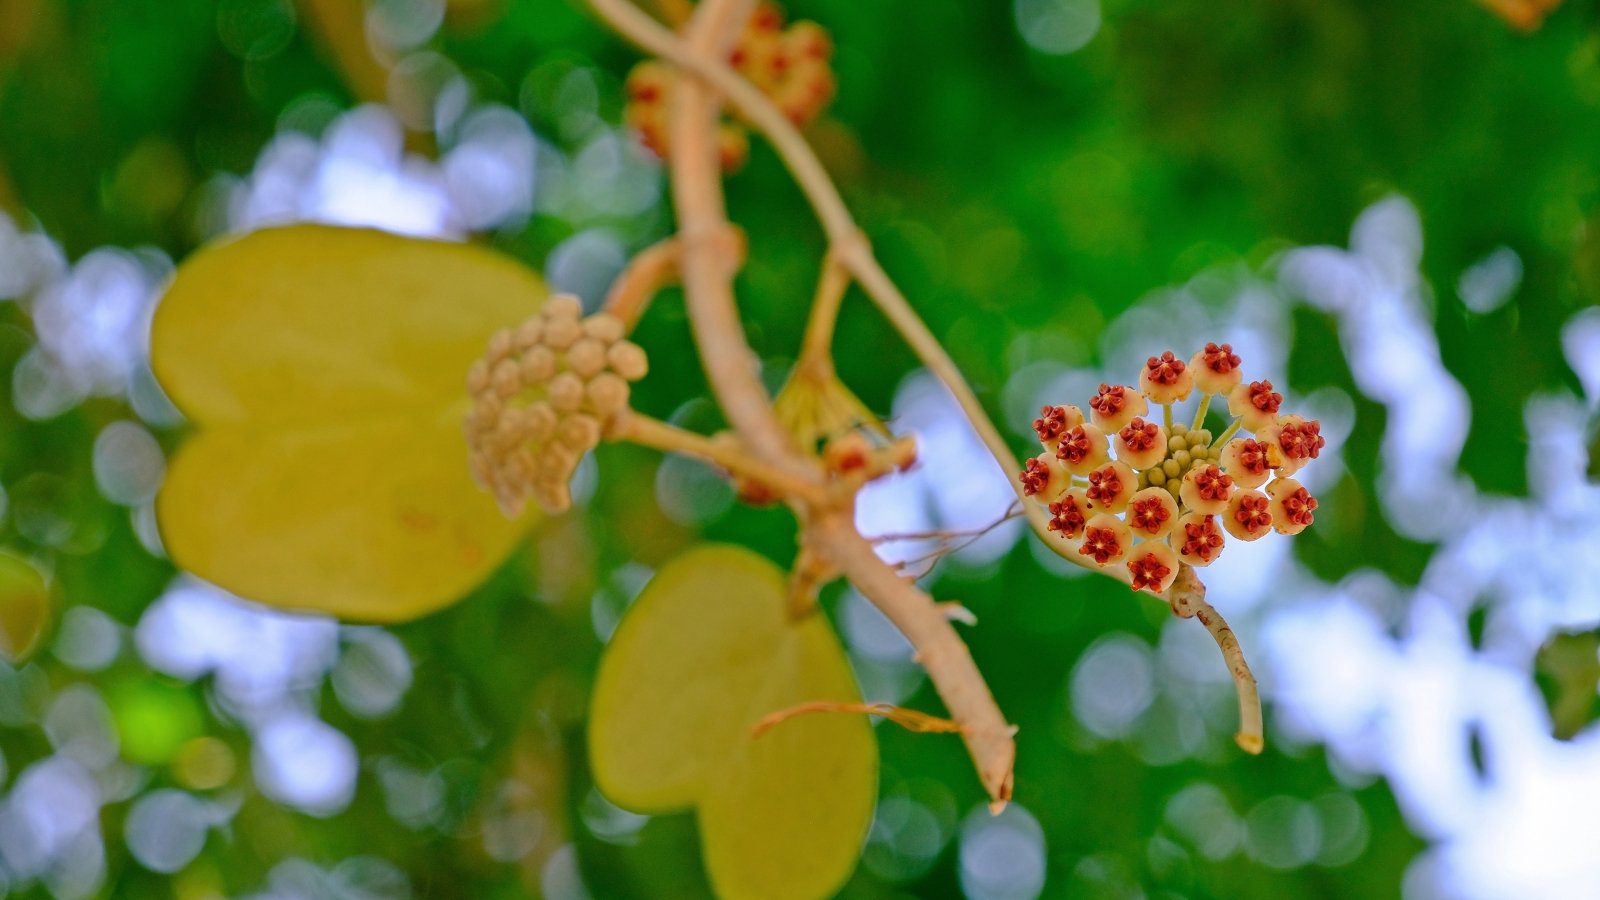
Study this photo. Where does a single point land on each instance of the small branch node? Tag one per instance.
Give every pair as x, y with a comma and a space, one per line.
955, 612
811, 571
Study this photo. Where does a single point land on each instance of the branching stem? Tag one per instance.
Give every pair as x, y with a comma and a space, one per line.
707, 269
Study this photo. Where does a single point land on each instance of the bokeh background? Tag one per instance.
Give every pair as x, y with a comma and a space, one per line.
1388, 207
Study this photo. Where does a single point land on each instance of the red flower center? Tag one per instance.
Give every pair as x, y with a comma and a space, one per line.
1220, 359
1066, 516
1201, 539
1263, 398
1101, 544
1253, 456
1299, 507
1140, 435
1148, 514
1052, 423
1302, 440
1165, 369
1252, 514
1147, 571
1104, 485
1212, 483
1034, 477
1110, 400
1075, 446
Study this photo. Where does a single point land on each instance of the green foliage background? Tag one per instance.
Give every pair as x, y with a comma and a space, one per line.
1008, 191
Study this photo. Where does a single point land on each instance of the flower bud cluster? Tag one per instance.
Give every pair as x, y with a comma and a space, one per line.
1129, 490
543, 395
791, 65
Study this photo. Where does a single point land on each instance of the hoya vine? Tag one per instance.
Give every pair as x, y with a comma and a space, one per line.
345, 469
775, 455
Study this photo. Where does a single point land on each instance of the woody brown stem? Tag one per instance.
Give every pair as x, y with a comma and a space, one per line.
708, 271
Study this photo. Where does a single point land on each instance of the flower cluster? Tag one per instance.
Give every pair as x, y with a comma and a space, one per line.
1153, 495
542, 396
789, 64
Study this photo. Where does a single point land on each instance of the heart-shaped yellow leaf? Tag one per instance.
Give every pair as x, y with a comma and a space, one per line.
707, 651
325, 369
25, 602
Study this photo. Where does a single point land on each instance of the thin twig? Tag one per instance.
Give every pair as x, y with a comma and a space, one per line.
909, 719
668, 438
945, 548
942, 534
932, 557
816, 348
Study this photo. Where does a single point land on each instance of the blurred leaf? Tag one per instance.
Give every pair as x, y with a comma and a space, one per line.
25, 603
154, 720
18, 19
1567, 669
326, 369
341, 28
705, 653
149, 184
204, 763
